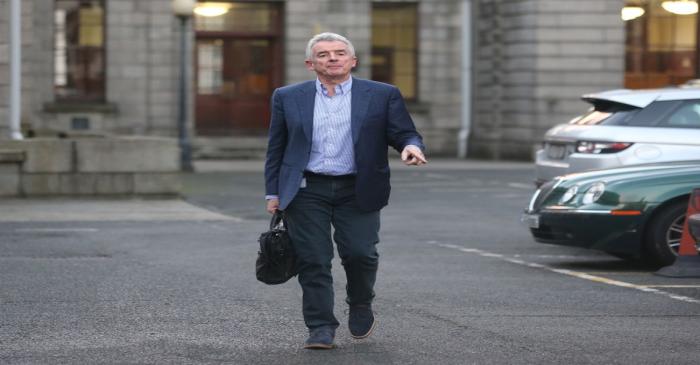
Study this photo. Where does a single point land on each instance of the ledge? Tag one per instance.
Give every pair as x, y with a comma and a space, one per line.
84, 107
121, 165
12, 156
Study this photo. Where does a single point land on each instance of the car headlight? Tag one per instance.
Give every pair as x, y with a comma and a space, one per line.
569, 194
593, 193
601, 147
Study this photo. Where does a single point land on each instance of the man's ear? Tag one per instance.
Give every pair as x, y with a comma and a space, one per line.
309, 65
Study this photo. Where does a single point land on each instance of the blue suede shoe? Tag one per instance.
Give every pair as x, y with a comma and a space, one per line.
320, 339
361, 321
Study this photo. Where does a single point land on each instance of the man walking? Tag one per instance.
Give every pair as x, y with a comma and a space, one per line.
327, 166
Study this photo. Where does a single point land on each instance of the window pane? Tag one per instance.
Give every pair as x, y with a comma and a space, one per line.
235, 17
608, 114
79, 68
394, 48
660, 47
210, 66
654, 113
686, 116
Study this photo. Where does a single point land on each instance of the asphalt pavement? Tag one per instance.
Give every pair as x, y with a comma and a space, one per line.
150, 281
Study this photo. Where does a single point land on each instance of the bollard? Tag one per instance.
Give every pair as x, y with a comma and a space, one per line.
694, 226
687, 265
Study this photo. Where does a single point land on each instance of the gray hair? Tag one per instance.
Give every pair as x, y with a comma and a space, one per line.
327, 37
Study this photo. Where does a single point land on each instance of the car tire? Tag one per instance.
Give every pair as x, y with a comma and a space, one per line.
665, 228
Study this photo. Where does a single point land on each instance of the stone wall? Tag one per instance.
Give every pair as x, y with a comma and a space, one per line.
304, 18
533, 61
439, 75
89, 166
142, 50
4, 67
437, 111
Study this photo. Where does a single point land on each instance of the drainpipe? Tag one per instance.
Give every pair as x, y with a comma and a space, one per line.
15, 69
466, 113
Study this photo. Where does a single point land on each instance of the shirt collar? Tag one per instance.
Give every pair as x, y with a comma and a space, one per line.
340, 89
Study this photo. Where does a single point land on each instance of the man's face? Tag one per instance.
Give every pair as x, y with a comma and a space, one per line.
331, 59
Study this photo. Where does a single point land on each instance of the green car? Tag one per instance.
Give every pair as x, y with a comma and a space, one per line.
630, 212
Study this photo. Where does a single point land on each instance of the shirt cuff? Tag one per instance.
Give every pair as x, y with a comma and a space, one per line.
414, 145
270, 197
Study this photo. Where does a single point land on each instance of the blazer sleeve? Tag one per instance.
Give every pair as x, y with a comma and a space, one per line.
400, 128
277, 142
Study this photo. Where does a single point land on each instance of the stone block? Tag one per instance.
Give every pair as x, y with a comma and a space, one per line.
44, 184
9, 179
157, 183
40, 184
9, 156
572, 6
97, 184
110, 184
127, 154
4, 53
572, 34
44, 154
163, 97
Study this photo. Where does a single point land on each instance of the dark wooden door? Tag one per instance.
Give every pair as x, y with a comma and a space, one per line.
234, 84
238, 63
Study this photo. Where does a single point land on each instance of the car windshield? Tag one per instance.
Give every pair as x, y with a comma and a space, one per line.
607, 113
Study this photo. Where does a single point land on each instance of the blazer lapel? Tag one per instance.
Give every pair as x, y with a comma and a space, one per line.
306, 100
358, 107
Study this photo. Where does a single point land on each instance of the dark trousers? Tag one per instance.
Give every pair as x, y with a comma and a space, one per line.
326, 202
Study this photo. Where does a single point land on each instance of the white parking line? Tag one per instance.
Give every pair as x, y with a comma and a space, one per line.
560, 257
522, 186
577, 274
55, 230
671, 286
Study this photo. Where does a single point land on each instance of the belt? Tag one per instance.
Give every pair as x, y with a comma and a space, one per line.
330, 177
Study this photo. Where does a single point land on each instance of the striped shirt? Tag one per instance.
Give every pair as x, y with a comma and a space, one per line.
332, 151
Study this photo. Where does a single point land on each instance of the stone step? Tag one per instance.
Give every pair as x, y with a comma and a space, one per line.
243, 147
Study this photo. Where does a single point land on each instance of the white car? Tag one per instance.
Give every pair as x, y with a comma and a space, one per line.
624, 127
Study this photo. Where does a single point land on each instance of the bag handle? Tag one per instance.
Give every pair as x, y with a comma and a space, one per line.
277, 220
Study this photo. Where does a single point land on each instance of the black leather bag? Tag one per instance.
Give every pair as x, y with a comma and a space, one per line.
277, 260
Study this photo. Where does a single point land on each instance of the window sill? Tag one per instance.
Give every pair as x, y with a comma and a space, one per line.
81, 107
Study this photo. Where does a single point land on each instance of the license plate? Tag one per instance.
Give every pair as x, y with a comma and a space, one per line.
531, 220
556, 151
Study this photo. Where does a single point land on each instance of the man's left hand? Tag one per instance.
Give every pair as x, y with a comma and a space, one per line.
412, 155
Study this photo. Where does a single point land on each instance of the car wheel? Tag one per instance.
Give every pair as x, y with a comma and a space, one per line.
663, 234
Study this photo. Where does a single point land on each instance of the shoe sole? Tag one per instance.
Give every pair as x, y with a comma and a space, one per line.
371, 329
319, 346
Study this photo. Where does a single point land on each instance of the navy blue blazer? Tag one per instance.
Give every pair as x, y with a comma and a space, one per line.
379, 119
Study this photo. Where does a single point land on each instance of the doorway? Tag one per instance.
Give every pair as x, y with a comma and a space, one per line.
238, 63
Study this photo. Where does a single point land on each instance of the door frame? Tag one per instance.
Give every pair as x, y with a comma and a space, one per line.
275, 36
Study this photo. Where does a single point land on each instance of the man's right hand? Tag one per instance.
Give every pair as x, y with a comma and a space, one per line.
273, 205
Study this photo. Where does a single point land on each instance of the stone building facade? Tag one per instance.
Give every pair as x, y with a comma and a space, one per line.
529, 62
140, 69
533, 61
